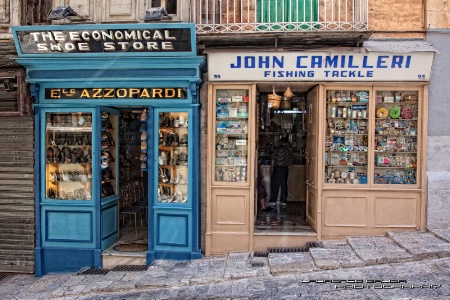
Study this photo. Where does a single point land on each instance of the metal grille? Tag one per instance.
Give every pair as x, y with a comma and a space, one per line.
257, 264
231, 16
181, 264
92, 271
288, 250
314, 245
129, 268
4, 276
260, 254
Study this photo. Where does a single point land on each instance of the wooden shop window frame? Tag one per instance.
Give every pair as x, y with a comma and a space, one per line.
22, 95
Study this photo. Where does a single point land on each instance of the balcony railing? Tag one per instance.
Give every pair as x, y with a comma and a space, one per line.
253, 16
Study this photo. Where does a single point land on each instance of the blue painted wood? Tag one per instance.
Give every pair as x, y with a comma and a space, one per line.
109, 213
198, 159
110, 223
82, 245
172, 230
67, 259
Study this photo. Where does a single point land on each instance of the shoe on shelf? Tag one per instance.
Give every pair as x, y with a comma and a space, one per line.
143, 135
144, 115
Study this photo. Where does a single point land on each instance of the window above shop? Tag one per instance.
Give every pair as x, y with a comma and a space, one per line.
109, 11
12, 98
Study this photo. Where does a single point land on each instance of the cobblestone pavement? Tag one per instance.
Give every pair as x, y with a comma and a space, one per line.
400, 265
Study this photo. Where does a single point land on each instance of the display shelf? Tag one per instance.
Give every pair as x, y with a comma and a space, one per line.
68, 160
395, 137
173, 157
347, 138
231, 151
108, 148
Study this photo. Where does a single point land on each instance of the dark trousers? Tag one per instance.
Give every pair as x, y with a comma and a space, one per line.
279, 178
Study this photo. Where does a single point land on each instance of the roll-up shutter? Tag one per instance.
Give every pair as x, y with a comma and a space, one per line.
17, 225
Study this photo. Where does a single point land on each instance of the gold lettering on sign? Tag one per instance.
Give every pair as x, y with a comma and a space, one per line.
97, 93
116, 93
157, 92
121, 93
85, 93
69, 92
144, 94
54, 93
170, 93
108, 93
134, 92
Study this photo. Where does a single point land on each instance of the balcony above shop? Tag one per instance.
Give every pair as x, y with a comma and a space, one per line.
280, 23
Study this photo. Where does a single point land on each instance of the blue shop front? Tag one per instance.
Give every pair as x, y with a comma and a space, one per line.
116, 141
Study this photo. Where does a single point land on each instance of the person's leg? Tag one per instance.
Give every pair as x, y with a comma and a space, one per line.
262, 203
283, 182
274, 185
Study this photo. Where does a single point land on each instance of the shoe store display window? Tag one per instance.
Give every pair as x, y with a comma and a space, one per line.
69, 156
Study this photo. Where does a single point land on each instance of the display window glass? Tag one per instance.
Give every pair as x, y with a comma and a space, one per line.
347, 142
68, 160
231, 136
173, 157
395, 140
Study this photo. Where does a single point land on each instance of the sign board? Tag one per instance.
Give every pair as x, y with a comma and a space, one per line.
115, 93
319, 66
134, 39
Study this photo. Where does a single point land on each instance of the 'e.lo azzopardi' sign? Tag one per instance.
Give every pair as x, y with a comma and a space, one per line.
116, 93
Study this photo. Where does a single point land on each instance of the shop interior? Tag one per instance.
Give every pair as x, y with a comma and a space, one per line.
133, 170
133, 189
281, 109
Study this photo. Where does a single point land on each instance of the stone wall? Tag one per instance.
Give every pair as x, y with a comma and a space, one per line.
438, 157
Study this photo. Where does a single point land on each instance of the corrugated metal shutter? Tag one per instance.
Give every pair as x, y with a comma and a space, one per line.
17, 219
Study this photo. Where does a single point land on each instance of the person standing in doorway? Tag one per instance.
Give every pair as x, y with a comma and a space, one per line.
281, 161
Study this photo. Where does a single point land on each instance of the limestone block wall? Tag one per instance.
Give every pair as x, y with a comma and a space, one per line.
394, 19
438, 14
438, 157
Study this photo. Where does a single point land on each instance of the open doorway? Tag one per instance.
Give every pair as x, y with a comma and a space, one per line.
133, 178
283, 210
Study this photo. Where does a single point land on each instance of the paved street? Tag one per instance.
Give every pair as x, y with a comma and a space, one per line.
400, 265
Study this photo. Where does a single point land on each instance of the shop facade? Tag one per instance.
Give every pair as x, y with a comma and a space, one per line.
356, 120
116, 137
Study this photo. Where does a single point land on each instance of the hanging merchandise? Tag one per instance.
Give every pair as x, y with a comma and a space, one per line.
288, 92
285, 103
273, 100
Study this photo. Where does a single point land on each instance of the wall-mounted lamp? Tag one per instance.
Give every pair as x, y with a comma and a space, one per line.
10, 84
156, 14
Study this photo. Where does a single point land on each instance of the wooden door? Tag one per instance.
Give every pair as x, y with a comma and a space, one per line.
312, 162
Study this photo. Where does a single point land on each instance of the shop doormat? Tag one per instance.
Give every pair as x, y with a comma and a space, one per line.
131, 247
